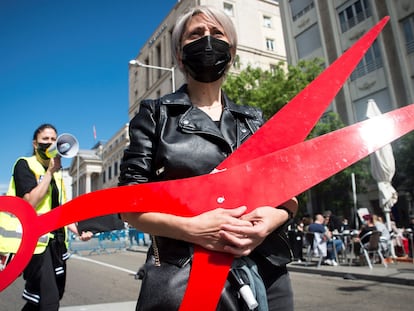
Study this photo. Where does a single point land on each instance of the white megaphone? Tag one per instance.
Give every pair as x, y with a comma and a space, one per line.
66, 145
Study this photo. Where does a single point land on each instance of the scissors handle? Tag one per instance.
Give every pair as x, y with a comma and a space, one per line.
28, 220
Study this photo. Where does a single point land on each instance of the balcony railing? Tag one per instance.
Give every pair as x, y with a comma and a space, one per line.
363, 70
304, 11
410, 47
355, 20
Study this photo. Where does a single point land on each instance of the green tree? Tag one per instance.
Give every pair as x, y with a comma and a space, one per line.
271, 89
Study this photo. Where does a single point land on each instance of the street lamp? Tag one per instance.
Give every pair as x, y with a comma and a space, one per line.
137, 63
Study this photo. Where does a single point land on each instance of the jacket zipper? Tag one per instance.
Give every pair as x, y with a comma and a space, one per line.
157, 261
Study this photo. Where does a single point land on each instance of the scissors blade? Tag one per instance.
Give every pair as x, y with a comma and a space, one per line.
293, 122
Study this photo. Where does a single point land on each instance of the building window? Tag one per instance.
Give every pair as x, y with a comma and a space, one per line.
270, 44
158, 60
267, 22
147, 75
300, 7
382, 99
408, 29
236, 63
103, 177
228, 9
371, 61
116, 168
273, 68
354, 14
308, 42
109, 173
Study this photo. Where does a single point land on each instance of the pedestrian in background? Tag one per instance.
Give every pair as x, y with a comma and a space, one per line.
333, 245
385, 239
332, 221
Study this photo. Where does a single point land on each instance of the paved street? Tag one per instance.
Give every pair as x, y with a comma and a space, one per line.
106, 282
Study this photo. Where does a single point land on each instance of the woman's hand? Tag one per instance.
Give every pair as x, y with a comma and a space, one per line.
222, 230
55, 164
85, 236
205, 229
242, 240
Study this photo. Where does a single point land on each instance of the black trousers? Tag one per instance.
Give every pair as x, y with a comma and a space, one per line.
45, 278
280, 294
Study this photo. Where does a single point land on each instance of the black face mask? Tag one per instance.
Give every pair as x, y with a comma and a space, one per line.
206, 59
41, 150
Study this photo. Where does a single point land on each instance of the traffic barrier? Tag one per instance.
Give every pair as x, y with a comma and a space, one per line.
107, 242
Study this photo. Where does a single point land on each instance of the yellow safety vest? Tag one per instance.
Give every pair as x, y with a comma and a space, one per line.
10, 227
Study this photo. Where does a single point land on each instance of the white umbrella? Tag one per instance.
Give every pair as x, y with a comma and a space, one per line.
383, 170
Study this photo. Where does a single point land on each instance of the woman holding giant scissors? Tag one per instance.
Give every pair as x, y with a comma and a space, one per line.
38, 180
189, 133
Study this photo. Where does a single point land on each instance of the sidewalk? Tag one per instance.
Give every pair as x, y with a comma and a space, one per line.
397, 272
116, 306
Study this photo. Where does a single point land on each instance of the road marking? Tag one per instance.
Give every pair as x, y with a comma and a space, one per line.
117, 306
103, 264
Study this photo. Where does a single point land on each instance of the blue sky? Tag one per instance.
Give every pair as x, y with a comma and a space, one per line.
65, 62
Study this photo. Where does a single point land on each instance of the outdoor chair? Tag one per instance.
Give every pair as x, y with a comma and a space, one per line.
372, 248
340, 255
316, 247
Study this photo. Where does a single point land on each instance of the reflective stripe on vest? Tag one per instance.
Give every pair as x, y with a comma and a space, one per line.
11, 234
10, 227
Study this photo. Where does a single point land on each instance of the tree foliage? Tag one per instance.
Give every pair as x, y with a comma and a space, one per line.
271, 89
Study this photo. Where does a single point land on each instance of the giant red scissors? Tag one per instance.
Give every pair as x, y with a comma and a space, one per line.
281, 161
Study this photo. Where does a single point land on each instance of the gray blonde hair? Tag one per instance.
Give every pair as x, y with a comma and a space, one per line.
212, 13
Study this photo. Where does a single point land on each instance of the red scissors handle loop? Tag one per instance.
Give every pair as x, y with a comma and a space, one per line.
28, 220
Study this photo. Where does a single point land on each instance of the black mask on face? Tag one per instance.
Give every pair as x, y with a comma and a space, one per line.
41, 150
206, 59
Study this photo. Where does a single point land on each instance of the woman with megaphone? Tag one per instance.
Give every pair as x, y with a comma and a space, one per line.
38, 180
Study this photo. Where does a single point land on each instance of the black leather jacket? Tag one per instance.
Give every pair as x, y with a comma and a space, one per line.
171, 139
